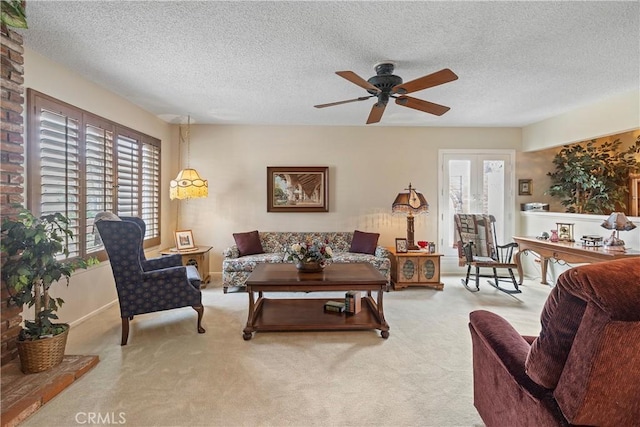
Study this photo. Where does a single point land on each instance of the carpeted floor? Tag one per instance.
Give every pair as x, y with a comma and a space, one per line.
169, 375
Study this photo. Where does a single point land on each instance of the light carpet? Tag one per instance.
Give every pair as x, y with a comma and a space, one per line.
168, 375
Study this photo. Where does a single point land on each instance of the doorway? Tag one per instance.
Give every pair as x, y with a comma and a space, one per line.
475, 181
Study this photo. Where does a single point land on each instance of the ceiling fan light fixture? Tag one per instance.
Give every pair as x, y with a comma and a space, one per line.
385, 85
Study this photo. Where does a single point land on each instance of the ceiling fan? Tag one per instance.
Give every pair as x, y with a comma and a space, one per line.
385, 85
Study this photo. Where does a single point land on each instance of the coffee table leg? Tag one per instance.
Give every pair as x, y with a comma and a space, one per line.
384, 327
247, 332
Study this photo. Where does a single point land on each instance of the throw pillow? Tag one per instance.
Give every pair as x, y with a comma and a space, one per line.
248, 243
364, 243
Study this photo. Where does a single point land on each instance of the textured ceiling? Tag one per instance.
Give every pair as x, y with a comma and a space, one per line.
270, 62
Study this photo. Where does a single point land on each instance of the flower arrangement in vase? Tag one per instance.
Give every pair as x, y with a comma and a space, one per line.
309, 256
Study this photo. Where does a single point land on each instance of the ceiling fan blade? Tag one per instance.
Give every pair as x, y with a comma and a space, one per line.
356, 79
331, 104
376, 112
419, 104
430, 80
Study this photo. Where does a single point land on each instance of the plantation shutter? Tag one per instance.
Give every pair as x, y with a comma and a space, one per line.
99, 178
151, 189
80, 164
59, 169
129, 155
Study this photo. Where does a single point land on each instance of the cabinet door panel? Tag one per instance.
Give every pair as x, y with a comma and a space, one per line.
408, 269
429, 270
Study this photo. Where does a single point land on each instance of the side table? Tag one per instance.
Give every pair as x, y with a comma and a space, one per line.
416, 268
197, 257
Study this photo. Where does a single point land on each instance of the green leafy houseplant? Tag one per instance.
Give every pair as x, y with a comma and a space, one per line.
33, 248
592, 178
13, 14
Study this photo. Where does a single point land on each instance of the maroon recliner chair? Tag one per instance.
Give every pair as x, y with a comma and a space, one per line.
583, 368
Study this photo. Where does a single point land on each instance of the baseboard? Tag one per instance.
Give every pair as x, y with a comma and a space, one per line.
93, 313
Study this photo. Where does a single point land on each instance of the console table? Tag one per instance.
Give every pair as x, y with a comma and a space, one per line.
565, 251
198, 257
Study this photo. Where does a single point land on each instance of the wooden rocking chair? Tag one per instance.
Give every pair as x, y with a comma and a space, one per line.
477, 248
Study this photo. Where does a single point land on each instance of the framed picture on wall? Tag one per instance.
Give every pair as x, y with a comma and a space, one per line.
524, 187
184, 240
401, 246
297, 189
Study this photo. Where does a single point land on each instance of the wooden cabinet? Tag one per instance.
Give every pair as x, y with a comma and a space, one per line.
634, 194
198, 258
415, 269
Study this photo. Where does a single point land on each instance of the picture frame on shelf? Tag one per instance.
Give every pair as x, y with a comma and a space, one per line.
184, 240
297, 189
401, 246
525, 187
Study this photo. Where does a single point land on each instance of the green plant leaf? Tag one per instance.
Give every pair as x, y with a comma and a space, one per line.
13, 14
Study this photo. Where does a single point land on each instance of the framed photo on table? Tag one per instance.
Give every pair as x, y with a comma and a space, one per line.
184, 240
297, 189
401, 246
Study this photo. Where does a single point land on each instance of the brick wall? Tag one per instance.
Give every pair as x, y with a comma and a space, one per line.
11, 164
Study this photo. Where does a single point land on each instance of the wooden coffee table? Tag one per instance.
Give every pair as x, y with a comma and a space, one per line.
307, 314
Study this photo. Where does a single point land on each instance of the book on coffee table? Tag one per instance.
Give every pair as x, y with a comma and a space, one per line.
334, 306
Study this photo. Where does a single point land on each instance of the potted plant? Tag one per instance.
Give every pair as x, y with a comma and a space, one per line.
35, 254
592, 178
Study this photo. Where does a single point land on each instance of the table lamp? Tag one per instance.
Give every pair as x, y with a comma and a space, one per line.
617, 221
412, 203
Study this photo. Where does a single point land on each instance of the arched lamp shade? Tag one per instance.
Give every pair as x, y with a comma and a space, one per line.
188, 185
411, 203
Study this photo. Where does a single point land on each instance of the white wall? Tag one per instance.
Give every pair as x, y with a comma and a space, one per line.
368, 167
617, 114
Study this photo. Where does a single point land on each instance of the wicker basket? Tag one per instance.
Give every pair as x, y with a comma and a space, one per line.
40, 355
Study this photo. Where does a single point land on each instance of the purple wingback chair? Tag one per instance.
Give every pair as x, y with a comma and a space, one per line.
146, 286
583, 368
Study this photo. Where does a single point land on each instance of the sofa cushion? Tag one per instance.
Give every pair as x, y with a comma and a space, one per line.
364, 243
248, 262
248, 243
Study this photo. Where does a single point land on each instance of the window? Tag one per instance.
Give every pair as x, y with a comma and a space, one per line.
80, 164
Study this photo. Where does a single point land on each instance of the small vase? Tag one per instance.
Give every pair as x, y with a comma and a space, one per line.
309, 267
554, 236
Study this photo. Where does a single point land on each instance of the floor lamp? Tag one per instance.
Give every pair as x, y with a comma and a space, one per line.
411, 203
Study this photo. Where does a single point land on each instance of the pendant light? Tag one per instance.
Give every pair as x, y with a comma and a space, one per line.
188, 184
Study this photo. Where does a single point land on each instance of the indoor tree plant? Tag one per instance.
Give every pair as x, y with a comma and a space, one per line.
35, 258
592, 177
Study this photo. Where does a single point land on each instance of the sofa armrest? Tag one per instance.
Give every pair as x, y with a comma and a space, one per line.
231, 252
382, 252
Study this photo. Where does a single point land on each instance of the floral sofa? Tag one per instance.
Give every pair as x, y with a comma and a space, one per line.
236, 267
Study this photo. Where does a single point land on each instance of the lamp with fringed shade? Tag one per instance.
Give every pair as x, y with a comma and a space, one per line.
411, 203
188, 184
